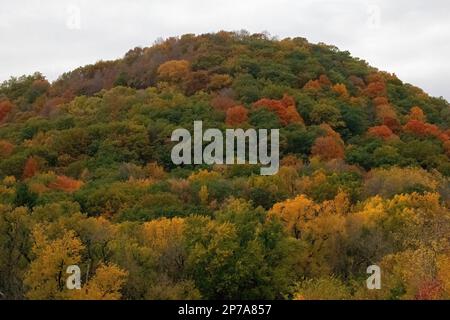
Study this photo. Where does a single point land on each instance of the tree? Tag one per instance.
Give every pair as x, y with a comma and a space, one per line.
219, 81
386, 115
324, 80
380, 101
376, 89
386, 156
15, 246
211, 247
31, 168
312, 85
416, 127
166, 238
294, 213
104, 285
5, 107
262, 265
174, 71
6, 148
24, 196
417, 114
325, 113
45, 278
320, 228
236, 115
65, 184
443, 266
284, 108
341, 90
391, 181
409, 275
420, 128
383, 132
222, 101
328, 148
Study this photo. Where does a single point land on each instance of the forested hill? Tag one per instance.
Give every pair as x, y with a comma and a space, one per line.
86, 177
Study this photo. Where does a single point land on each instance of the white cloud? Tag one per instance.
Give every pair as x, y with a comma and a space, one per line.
409, 38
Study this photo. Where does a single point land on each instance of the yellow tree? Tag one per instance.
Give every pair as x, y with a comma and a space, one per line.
416, 113
320, 228
165, 238
46, 275
413, 271
341, 90
294, 213
104, 285
174, 71
443, 265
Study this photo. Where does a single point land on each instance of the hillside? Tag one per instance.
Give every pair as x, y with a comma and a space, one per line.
86, 177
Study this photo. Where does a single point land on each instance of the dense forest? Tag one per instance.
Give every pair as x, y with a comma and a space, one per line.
86, 177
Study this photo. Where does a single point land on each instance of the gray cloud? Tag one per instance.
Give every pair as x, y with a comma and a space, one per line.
409, 38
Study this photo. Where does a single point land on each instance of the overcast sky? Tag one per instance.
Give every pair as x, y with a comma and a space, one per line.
410, 38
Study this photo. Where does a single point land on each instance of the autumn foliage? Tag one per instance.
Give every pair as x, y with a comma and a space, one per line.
329, 146
341, 90
284, 108
387, 115
87, 179
313, 85
174, 70
236, 115
65, 184
222, 102
5, 108
383, 132
416, 113
378, 101
5, 148
376, 89
31, 167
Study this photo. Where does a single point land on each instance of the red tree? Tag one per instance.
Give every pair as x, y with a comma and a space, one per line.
236, 115
415, 127
376, 89
328, 148
30, 168
383, 132
284, 108
5, 108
